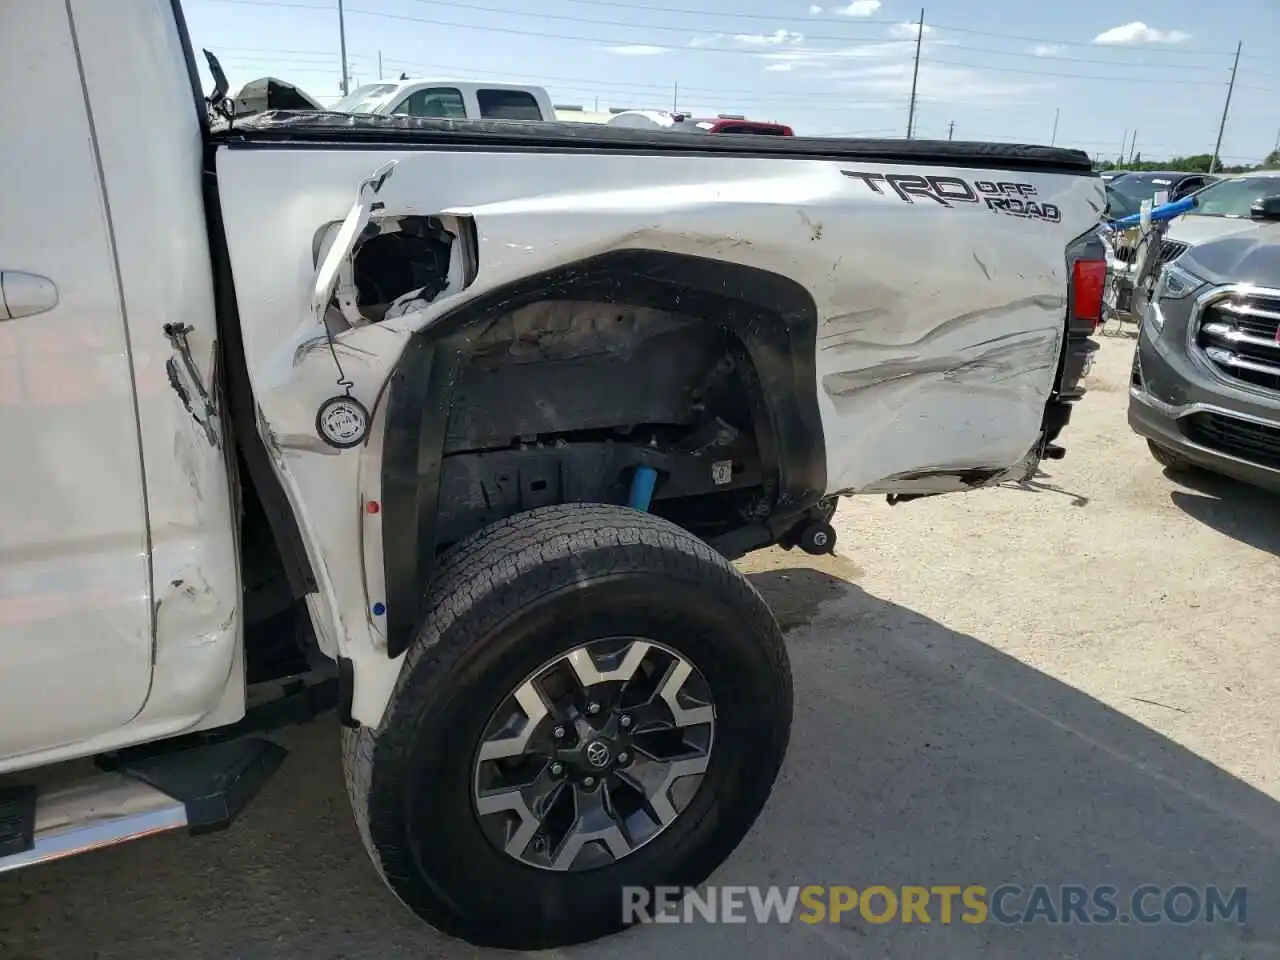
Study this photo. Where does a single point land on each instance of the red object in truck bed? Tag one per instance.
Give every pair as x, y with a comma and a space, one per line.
750, 126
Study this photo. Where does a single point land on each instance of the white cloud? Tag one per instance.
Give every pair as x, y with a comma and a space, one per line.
703, 41
909, 31
783, 67
637, 50
859, 8
1139, 32
1048, 50
815, 9
775, 39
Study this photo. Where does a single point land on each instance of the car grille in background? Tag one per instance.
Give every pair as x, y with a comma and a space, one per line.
1240, 337
1169, 250
1257, 443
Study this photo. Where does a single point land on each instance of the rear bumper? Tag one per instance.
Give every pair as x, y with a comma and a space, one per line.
1212, 424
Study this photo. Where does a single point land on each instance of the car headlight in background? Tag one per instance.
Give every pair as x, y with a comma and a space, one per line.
1176, 283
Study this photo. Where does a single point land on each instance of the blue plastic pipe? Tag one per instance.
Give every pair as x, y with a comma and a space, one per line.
1166, 212
642, 488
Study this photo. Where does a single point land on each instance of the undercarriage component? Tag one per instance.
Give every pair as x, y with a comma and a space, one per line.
813, 533
642, 487
817, 539
893, 499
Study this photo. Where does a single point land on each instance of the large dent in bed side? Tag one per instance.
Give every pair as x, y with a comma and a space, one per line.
937, 346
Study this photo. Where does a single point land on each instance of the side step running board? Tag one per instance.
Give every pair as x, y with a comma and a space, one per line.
201, 789
99, 812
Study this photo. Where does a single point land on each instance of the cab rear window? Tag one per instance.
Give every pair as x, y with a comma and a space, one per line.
508, 105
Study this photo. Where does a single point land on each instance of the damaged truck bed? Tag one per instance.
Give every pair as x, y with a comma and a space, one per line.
452, 427
533, 310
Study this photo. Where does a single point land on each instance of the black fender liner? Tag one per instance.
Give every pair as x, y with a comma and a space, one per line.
773, 317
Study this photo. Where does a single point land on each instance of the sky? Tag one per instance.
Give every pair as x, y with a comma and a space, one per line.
1105, 76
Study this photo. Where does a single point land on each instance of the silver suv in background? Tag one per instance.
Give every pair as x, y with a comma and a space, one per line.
1205, 384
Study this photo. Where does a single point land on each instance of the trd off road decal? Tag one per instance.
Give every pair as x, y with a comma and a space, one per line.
1003, 197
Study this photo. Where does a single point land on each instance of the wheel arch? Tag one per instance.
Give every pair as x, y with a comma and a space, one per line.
773, 318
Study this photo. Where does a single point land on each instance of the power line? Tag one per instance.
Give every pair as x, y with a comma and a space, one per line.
810, 100
679, 28
713, 49
1081, 76
629, 41
233, 54
815, 36
774, 18
860, 21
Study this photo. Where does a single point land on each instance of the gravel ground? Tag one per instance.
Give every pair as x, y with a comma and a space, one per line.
1074, 683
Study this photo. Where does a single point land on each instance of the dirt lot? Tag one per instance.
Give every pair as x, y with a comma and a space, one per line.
1076, 683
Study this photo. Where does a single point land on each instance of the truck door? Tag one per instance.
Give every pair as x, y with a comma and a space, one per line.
75, 586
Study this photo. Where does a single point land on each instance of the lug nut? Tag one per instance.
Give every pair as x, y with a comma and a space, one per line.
624, 721
557, 769
588, 781
593, 708
558, 733
624, 757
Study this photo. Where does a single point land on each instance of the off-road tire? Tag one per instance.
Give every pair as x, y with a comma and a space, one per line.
503, 602
1168, 459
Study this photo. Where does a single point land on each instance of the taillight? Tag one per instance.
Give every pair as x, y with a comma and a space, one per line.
1088, 281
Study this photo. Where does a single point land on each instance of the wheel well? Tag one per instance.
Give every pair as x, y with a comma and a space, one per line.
561, 400
556, 388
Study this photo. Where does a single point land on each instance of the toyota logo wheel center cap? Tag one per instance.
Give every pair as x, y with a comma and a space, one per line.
598, 754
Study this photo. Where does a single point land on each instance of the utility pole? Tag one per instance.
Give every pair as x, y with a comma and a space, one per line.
342, 43
951, 129
1053, 138
915, 76
675, 96
1213, 164
379, 64
1124, 139
1133, 145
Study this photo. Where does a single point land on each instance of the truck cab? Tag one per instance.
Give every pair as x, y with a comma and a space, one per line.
449, 99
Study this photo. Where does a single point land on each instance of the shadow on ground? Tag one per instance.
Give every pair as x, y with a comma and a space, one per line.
919, 756
1042, 483
1235, 509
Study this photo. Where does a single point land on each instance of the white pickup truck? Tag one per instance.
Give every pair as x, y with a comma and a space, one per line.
453, 427
449, 100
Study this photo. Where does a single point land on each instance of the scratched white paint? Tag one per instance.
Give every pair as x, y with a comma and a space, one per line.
937, 332
966, 304
84, 668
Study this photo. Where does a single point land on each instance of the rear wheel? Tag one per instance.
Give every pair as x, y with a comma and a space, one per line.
597, 701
